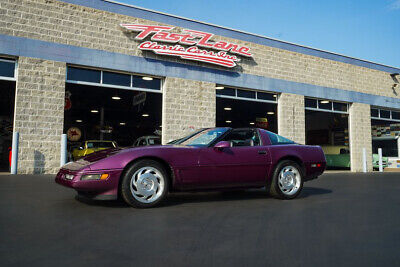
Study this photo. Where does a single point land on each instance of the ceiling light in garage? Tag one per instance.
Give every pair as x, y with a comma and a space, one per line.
122, 123
145, 115
147, 78
228, 121
270, 113
227, 108
219, 87
94, 111
116, 97
324, 102
251, 123
78, 120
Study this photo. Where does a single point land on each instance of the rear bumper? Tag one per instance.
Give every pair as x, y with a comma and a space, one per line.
95, 189
312, 171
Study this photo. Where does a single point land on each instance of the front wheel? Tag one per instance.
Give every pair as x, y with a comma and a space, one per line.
287, 180
145, 184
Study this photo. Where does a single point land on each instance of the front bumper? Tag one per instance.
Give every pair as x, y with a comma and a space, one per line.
97, 189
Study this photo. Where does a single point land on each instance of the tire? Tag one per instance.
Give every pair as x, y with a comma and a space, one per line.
145, 184
289, 186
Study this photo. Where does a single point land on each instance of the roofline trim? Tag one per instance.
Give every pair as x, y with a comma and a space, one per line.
156, 16
244, 32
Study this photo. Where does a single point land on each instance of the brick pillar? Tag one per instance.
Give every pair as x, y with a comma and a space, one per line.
187, 105
39, 114
360, 136
291, 117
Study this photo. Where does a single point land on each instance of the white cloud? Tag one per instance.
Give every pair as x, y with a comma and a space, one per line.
395, 5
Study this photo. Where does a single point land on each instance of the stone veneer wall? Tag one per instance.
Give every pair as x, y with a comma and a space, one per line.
187, 105
39, 114
360, 136
291, 117
60, 22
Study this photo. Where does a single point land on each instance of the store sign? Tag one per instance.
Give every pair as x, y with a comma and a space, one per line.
194, 41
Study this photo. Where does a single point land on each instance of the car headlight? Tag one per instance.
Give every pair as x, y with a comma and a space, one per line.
69, 176
100, 176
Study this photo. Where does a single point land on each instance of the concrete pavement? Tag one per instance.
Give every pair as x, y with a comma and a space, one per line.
340, 219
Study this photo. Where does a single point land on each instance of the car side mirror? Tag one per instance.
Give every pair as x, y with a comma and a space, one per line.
221, 145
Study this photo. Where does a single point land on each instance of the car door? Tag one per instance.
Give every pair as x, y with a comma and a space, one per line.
245, 163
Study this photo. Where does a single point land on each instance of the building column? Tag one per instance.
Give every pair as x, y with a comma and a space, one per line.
360, 136
187, 105
39, 114
291, 117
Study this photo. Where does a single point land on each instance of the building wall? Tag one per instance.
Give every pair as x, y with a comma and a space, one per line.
360, 136
187, 105
39, 114
60, 22
291, 117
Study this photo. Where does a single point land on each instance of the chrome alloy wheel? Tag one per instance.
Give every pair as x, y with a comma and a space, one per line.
289, 180
147, 184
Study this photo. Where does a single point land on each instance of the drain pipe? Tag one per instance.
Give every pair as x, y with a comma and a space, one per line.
364, 154
63, 158
14, 153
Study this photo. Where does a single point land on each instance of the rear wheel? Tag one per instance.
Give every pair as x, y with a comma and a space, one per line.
145, 184
287, 180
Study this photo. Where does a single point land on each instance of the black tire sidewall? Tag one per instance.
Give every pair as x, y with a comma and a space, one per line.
126, 193
276, 189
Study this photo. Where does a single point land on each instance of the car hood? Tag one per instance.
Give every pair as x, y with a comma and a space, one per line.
117, 158
102, 154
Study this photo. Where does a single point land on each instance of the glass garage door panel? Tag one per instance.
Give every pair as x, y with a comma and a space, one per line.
7, 69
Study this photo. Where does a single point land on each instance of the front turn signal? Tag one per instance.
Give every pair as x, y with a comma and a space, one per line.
104, 176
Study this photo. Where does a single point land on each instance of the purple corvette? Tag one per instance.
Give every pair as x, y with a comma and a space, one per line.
210, 159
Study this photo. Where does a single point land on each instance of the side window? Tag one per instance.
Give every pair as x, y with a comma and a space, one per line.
143, 142
243, 138
278, 140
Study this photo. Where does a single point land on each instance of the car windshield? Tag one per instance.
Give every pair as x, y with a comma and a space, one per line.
203, 138
99, 144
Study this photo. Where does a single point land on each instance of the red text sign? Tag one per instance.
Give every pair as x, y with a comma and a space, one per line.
226, 56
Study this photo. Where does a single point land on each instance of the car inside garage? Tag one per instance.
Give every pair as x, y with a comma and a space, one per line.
327, 126
7, 100
110, 109
238, 108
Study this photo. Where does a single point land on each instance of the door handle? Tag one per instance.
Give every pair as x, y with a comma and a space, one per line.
262, 152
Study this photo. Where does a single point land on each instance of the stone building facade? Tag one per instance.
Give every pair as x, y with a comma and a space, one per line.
46, 36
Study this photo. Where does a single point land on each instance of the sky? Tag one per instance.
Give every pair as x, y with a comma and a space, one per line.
364, 29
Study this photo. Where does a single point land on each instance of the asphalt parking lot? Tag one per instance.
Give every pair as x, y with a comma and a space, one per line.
340, 219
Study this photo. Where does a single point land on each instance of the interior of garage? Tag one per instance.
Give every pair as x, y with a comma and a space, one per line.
238, 108
327, 126
7, 103
122, 113
385, 135
7, 99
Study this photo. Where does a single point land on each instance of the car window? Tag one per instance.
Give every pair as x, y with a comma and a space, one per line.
204, 138
344, 151
142, 142
246, 137
278, 140
154, 141
99, 144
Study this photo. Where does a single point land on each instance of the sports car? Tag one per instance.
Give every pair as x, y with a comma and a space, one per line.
92, 146
209, 159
